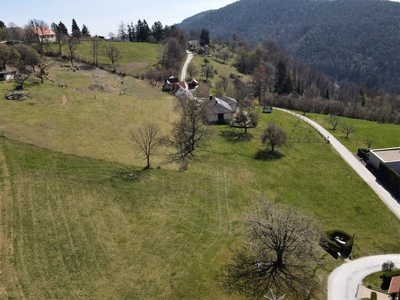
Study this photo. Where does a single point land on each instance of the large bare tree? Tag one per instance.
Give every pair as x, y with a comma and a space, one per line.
274, 136
147, 138
190, 130
281, 255
113, 53
334, 120
72, 45
39, 28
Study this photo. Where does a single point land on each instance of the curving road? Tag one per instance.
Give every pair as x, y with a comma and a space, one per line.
188, 59
344, 281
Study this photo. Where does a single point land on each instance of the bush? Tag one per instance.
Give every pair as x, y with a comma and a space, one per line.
363, 153
374, 296
388, 275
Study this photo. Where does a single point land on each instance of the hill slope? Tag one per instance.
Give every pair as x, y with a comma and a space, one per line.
354, 40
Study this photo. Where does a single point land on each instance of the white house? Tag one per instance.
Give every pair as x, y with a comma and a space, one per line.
390, 156
221, 110
8, 74
45, 34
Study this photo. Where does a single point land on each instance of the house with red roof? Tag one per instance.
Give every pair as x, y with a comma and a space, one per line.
45, 34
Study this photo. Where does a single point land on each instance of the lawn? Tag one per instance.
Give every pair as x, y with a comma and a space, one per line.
383, 135
74, 225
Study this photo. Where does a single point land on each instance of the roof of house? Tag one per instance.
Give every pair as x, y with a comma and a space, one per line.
388, 154
43, 31
394, 285
172, 79
222, 103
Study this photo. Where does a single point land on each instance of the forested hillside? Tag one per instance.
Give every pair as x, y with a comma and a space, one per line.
352, 40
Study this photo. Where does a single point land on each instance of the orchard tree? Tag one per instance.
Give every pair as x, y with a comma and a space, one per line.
38, 28
8, 55
61, 35
246, 118
281, 255
113, 53
190, 130
334, 120
172, 54
147, 138
28, 56
208, 72
274, 136
72, 45
95, 49
192, 70
347, 128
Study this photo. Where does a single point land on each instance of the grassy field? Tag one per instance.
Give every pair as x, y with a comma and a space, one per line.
74, 225
136, 57
383, 135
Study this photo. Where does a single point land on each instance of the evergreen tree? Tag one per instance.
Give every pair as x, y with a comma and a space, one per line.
283, 83
85, 31
204, 37
157, 31
62, 28
142, 31
76, 32
131, 32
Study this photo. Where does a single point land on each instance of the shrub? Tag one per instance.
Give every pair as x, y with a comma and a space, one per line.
390, 274
374, 296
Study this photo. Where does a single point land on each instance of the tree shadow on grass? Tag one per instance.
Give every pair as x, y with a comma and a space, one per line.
268, 155
234, 136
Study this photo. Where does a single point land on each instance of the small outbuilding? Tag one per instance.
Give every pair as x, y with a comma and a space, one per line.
8, 74
388, 156
394, 287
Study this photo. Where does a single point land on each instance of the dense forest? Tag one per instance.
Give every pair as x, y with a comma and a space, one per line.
351, 40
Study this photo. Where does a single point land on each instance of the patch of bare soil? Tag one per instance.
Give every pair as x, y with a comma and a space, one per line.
131, 67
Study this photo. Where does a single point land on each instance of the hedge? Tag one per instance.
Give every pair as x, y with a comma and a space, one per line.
345, 248
374, 296
390, 178
390, 274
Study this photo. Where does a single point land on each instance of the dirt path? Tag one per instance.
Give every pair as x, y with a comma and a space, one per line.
64, 100
9, 281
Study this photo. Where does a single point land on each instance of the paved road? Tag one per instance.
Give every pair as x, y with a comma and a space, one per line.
344, 281
188, 59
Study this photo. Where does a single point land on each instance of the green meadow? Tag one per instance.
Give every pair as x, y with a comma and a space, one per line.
76, 225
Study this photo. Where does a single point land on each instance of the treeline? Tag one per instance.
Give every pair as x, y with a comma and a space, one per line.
282, 81
352, 40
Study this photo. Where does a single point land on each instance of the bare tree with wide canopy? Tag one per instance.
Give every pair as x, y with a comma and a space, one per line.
281, 255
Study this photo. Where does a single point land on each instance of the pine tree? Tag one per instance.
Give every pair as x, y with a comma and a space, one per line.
76, 32
204, 37
157, 31
63, 28
85, 31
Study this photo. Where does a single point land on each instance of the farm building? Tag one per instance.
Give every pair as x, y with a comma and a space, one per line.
389, 156
221, 109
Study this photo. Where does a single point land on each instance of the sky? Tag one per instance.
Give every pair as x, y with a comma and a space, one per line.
103, 16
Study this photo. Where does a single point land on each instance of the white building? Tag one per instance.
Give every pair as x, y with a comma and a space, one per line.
389, 156
220, 110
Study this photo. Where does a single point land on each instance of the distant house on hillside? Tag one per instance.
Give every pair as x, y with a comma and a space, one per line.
8, 73
180, 89
45, 34
220, 110
169, 84
193, 84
